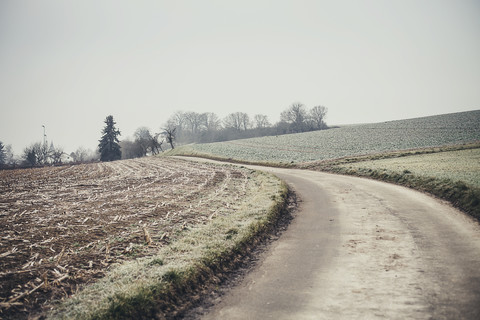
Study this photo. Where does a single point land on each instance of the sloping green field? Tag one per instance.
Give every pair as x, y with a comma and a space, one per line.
354, 140
450, 175
461, 165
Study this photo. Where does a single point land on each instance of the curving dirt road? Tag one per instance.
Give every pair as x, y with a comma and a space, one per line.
362, 249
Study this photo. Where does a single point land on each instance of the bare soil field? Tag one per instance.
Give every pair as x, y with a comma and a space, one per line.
63, 227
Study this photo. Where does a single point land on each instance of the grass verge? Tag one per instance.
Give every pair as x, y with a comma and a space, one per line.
189, 151
326, 165
460, 194
165, 285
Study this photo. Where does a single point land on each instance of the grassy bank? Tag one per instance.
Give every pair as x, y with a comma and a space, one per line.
164, 285
192, 150
451, 173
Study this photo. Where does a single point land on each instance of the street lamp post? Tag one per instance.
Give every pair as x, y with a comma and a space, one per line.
44, 136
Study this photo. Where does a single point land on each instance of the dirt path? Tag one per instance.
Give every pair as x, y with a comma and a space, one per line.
362, 249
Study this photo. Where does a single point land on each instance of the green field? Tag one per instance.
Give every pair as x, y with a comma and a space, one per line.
451, 175
461, 165
354, 140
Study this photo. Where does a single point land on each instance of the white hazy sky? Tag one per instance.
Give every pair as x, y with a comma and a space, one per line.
69, 64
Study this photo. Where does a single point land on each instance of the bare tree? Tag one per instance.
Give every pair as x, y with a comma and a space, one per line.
131, 149
178, 120
244, 120
85, 155
56, 154
3, 155
80, 155
187, 124
38, 154
43, 153
237, 121
296, 116
144, 139
231, 121
170, 135
194, 121
155, 144
261, 121
211, 122
33, 155
10, 159
317, 117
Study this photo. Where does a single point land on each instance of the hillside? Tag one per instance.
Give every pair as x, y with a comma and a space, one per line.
351, 140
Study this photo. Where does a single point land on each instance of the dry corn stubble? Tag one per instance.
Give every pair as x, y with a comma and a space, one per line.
63, 227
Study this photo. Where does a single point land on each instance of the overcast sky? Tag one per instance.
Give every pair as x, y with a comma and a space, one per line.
69, 64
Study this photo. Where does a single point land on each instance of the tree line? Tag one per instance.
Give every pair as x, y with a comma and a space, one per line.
37, 154
193, 127
180, 128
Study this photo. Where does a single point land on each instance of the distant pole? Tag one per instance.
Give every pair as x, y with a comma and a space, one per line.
44, 135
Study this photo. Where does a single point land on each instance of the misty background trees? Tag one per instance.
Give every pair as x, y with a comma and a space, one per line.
297, 118
40, 154
180, 128
3, 155
192, 127
144, 143
84, 155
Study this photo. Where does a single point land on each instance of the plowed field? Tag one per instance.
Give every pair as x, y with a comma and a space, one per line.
62, 227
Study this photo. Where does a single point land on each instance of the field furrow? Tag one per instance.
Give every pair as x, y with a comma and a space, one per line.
63, 227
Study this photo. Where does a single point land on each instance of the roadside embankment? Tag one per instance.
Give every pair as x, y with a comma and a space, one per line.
451, 173
167, 283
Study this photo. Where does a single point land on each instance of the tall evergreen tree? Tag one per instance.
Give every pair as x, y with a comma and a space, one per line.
108, 146
3, 154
